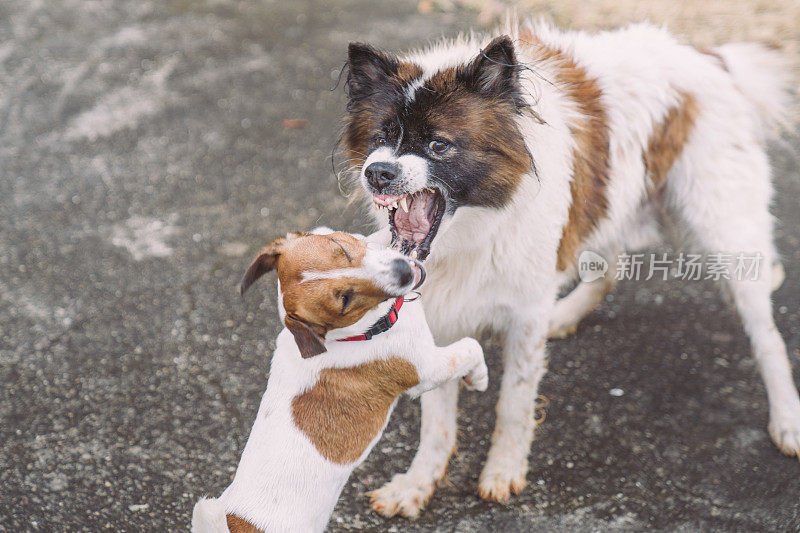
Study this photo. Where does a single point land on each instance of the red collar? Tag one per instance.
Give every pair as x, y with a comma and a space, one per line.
383, 324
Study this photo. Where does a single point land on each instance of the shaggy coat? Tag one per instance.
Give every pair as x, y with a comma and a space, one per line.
500, 159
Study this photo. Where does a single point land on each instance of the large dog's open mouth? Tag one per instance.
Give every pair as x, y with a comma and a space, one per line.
414, 219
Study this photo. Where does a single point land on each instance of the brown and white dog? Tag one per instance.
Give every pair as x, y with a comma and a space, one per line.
351, 346
501, 159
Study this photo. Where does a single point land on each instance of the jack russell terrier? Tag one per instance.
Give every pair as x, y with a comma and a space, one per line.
346, 354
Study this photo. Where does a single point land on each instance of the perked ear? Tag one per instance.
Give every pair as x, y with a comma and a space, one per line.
264, 262
495, 72
308, 341
369, 69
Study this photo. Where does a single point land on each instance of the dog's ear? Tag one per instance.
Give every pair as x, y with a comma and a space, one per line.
369, 70
495, 71
264, 262
308, 340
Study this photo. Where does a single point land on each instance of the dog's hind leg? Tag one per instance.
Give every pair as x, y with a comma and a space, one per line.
407, 494
642, 231
581, 301
726, 209
752, 298
524, 365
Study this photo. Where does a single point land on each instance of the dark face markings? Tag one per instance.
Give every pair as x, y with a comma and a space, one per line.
471, 110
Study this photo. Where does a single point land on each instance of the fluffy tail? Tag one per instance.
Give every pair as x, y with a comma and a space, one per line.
209, 517
763, 76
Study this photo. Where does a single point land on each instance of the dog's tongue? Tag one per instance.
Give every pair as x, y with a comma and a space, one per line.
414, 225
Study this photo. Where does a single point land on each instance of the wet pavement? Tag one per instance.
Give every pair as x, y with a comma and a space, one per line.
148, 149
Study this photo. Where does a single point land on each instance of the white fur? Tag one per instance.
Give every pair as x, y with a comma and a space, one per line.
413, 168
497, 267
209, 516
376, 266
283, 484
411, 88
336, 273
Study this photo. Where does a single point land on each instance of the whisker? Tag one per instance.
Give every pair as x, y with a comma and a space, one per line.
352, 170
351, 163
357, 152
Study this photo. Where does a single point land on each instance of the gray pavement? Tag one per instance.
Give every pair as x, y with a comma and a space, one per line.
144, 159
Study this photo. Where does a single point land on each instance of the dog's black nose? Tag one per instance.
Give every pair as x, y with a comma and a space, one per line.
380, 174
402, 270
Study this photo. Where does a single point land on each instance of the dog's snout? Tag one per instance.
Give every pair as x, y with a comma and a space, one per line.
380, 174
402, 270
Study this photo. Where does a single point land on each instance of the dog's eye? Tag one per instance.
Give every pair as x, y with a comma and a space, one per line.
438, 146
346, 297
380, 141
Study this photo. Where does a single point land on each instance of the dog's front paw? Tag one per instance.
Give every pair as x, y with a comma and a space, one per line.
785, 433
497, 485
478, 377
404, 495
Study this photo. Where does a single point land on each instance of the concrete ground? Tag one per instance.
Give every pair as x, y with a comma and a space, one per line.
144, 158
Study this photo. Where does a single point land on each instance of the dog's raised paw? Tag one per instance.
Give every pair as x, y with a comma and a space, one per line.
403, 495
499, 486
785, 433
478, 379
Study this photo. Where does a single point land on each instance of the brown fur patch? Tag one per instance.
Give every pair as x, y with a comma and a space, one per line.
667, 140
590, 165
240, 525
347, 407
407, 72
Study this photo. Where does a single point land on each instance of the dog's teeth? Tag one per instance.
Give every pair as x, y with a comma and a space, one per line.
394, 205
404, 204
413, 254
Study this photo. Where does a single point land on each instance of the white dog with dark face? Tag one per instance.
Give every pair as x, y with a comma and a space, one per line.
500, 160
